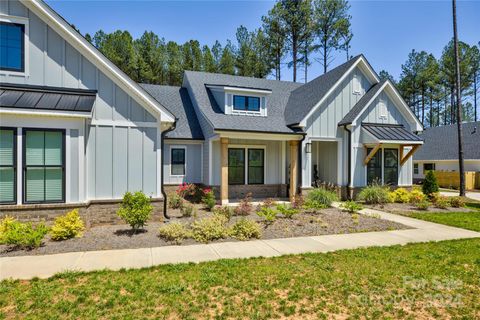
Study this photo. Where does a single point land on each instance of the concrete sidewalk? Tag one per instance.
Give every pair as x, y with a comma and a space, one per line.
27, 267
469, 194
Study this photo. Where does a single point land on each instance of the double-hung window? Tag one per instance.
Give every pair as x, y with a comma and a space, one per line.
12, 46
428, 167
8, 165
245, 103
43, 166
256, 166
178, 162
236, 166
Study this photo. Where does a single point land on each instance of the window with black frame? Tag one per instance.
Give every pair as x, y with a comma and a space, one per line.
236, 166
390, 166
256, 166
374, 167
12, 46
245, 103
428, 167
8, 165
178, 162
44, 166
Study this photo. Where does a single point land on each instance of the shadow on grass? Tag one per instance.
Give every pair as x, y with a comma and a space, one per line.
473, 205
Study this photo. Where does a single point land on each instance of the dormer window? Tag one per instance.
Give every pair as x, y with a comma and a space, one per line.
12, 47
245, 103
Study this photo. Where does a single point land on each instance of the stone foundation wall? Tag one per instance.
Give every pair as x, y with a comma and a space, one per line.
93, 213
258, 191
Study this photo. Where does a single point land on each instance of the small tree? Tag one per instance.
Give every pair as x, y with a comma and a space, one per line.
135, 209
430, 184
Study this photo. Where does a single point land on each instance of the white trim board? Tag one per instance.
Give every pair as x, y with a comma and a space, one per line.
48, 113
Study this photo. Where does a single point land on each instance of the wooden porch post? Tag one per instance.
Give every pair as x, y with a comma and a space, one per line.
293, 168
224, 173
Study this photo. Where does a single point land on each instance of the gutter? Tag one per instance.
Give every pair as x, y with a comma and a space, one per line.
349, 162
299, 168
162, 160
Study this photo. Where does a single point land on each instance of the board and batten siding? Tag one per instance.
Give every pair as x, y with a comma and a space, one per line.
120, 141
193, 163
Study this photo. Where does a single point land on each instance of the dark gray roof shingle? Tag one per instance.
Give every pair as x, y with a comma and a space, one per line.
303, 99
441, 143
274, 121
177, 101
361, 104
392, 132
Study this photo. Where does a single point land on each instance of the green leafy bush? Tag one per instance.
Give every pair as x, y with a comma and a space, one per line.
224, 211
174, 232
400, 195
313, 205
21, 235
457, 202
430, 184
324, 196
245, 229
175, 201
374, 194
208, 229
352, 206
355, 218
441, 202
187, 210
245, 207
287, 211
422, 205
67, 226
268, 213
209, 199
135, 209
416, 196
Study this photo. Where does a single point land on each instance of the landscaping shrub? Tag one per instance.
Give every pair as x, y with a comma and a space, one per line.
175, 201
298, 201
224, 211
186, 189
187, 210
208, 199
441, 202
135, 209
175, 232
416, 196
323, 196
314, 205
268, 213
422, 205
245, 207
351, 206
430, 184
67, 226
245, 229
374, 194
400, 195
21, 235
355, 218
208, 229
287, 211
457, 202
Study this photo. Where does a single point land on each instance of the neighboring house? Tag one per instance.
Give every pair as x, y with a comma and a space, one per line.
76, 130
440, 149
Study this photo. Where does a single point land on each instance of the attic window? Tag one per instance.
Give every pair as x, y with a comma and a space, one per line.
245, 103
356, 85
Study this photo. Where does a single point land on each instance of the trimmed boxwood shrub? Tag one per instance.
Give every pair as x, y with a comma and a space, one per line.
135, 209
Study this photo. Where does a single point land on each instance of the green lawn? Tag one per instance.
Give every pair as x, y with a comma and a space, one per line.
466, 220
431, 280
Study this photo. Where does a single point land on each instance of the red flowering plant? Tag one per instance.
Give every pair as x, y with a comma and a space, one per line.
186, 189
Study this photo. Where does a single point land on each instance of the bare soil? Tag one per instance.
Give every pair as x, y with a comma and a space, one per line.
107, 237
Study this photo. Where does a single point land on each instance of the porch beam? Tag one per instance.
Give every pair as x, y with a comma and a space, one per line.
408, 155
224, 172
293, 169
372, 153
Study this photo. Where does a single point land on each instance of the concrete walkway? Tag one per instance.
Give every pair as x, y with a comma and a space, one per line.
468, 194
27, 267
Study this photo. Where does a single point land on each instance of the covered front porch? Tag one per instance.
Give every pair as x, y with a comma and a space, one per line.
264, 165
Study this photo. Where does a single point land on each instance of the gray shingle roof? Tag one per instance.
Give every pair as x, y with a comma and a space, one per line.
274, 121
361, 104
46, 98
440, 143
392, 132
177, 101
303, 99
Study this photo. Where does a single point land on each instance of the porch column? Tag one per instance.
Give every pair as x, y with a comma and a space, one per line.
224, 173
293, 168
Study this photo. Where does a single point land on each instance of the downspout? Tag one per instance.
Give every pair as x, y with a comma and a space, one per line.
349, 163
162, 159
300, 162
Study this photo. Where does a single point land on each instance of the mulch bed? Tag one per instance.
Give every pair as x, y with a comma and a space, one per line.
326, 221
407, 208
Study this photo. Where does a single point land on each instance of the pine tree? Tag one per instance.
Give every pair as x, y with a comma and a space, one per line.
276, 36
208, 60
227, 62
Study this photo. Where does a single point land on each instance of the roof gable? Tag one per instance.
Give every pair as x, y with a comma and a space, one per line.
76, 40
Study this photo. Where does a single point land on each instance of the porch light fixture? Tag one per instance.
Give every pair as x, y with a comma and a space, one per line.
308, 147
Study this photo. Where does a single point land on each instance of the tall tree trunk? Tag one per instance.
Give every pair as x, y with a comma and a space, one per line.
294, 53
438, 113
452, 105
324, 56
445, 110
423, 107
431, 109
475, 94
459, 101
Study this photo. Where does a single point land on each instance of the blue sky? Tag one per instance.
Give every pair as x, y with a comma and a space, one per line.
385, 31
